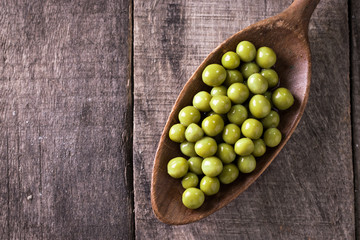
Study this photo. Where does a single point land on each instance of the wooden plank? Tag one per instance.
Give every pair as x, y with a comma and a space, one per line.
66, 120
308, 191
355, 97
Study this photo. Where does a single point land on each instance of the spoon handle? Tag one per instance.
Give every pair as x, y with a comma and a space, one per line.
299, 13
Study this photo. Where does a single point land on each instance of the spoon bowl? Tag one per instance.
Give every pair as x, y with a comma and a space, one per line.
286, 34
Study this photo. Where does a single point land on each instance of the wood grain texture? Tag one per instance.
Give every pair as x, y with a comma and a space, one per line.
66, 120
354, 17
307, 192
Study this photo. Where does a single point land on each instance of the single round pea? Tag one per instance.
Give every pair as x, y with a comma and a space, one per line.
213, 125
177, 133
193, 198
259, 106
246, 50
220, 104
193, 132
229, 174
259, 148
272, 137
226, 153
206, 147
190, 180
271, 76
230, 60
246, 164
195, 165
244, 146
211, 166
210, 185
201, 101
189, 115
238, 93
272, 120
257, 84
252, 128
237, 114
265, 57
231, 133
214, 75
233, 76
188, 149
177, 167
247, 69
218, 91
282, 98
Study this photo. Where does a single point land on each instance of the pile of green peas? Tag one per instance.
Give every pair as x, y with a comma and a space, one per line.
224, 131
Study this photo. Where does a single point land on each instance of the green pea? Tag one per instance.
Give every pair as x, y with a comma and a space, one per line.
177, 133
259, 148
231, 133
252, 128
193, 198
259, 106
246, 164
214, 75
213, 125
247, 69
233, 76
246, 50
218, 91
237, 114
257, 84
195, 165
210, 185
190, 180
272, 137
188, 149
226, 153
177, 167
193, 132
244, 146
211, 166
271, 76
282, 98
189, 115
206, 147
230, 60
238, 93
272, 120
265, 57
201, 101
229, 174
220, 104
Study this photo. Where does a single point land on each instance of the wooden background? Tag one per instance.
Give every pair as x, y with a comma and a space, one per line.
86, 87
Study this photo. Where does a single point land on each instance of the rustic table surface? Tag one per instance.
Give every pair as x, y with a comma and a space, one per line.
86, 87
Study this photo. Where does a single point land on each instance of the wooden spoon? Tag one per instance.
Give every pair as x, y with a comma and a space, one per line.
287, 34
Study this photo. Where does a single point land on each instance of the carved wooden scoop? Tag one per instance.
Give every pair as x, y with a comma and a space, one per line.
287, 34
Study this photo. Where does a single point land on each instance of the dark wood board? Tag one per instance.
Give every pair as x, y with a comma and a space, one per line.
307, 193
354, 17
67, 156
66, 120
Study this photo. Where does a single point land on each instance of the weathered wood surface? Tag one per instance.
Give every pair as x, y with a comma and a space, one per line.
354, 17
67, 155
65, 120
308, 191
